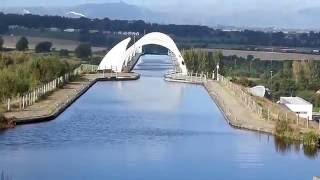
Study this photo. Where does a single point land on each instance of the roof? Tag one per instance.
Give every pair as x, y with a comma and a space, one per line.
294, 100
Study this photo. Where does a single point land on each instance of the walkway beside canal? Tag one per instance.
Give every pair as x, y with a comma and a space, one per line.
236, 112
56, 102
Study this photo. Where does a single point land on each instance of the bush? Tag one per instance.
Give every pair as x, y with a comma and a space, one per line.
83, 51
243, 81
2, 121
22, 44
64, 52
283, 129
310, 138
43, 47
1, 43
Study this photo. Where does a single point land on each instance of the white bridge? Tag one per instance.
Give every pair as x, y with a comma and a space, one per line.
122, 58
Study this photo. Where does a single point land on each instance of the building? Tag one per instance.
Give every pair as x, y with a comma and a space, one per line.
298, 105
53, 29
71, 30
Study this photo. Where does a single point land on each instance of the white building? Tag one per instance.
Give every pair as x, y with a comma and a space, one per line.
298, 105
71, 30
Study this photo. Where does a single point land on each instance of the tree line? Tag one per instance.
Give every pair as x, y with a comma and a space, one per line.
283, 78
182, 33
201, 61
83, 50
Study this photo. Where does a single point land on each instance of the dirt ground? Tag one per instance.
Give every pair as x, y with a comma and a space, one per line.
10, 42
269, 55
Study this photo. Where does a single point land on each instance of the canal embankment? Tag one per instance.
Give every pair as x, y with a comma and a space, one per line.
244, 111
53, 104
235, 111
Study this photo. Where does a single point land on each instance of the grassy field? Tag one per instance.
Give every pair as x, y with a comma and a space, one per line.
268, 55
10, 42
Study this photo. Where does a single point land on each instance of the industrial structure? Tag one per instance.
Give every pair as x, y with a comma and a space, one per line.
122, 59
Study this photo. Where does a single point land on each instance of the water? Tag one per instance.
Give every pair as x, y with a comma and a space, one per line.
148, 129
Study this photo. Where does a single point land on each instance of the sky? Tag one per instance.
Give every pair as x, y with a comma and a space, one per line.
230, 12
223, 4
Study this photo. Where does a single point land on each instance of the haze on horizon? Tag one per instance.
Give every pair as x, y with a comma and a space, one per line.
244, 13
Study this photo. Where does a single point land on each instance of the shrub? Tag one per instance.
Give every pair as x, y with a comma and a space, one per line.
1, 42
83, 51
243, 81
310, 138
283, 129
2, 121
22, 44
64, 52
43, 47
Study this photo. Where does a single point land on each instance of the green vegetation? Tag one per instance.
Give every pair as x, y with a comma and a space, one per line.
284, 130
283, 78
187, 35
83, 51
199, 61
2, 121
64, 52
1, 43
5, 123
310, 138
20, 73
22, 44
43, 47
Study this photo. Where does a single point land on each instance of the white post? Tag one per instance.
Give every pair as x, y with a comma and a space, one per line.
9, 104
23, 103
218, 78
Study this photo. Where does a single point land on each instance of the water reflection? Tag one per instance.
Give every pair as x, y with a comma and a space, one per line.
285, 146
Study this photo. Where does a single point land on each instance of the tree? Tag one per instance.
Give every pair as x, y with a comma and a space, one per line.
22, 44
1, 43
64, 52
43, 47
83, 51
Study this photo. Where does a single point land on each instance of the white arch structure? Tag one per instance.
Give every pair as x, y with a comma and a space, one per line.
119, 56
114, 58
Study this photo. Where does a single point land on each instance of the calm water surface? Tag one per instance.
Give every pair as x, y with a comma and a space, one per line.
148, 129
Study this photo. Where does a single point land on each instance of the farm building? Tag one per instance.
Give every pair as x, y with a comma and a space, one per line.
298, 105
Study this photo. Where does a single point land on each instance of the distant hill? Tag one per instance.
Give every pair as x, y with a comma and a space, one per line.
117, 10
300, 18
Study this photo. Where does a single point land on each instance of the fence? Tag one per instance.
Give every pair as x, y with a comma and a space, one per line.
33, 96
265, 109
190, 77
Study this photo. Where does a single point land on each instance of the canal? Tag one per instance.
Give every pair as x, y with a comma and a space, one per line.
148, 129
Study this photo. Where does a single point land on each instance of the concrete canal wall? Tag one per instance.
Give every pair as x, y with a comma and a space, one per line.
59, 100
